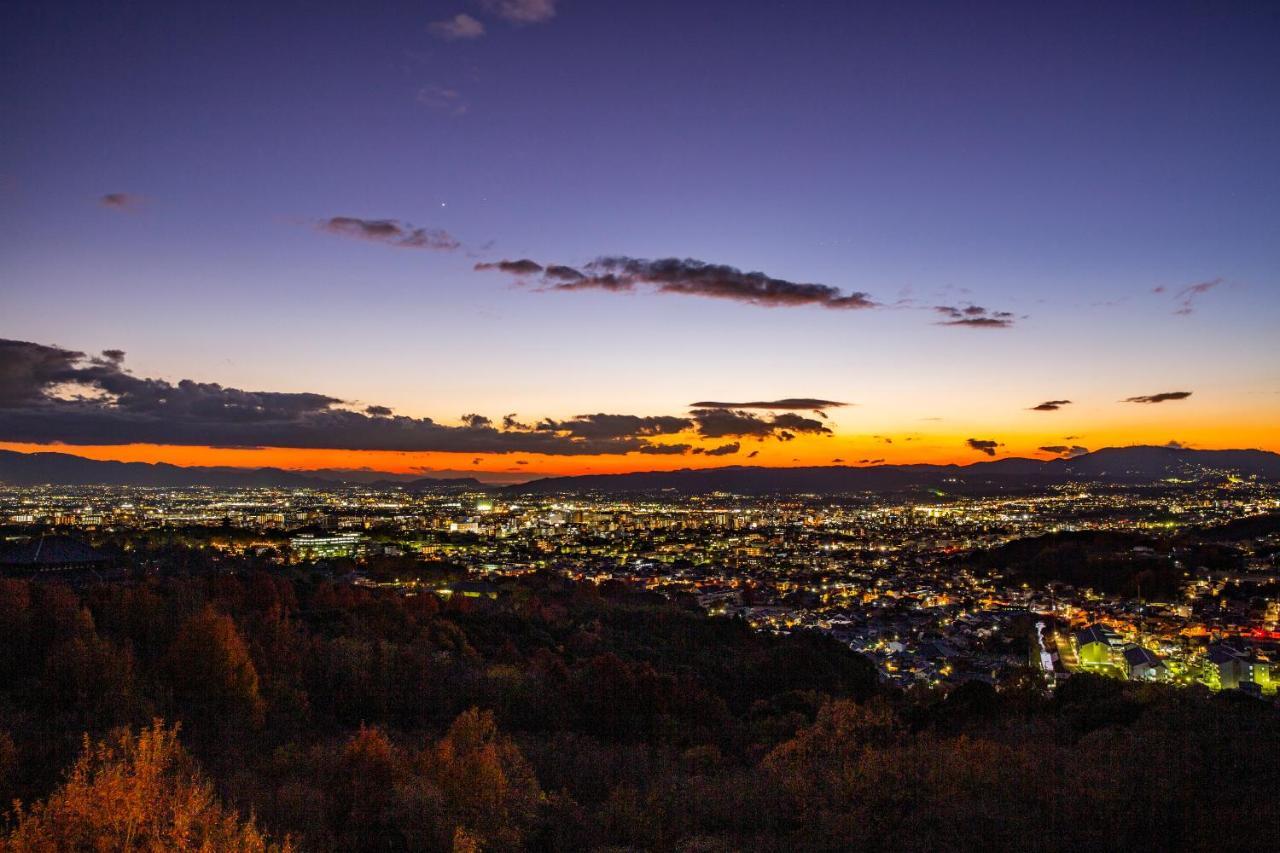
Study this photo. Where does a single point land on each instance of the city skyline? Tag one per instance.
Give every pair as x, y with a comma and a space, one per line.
982, 232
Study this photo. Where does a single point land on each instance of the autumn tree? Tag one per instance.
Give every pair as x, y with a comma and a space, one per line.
488, 788
90, 681
212, 675
821, 763
131, 792
368, 778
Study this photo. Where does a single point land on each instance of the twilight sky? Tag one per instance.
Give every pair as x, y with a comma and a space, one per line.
958, 212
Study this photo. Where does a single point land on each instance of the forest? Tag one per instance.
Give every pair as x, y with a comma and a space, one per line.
278, 710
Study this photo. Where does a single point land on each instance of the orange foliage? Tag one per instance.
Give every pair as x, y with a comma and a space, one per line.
133, 792
487, 785
211, 671
823, 759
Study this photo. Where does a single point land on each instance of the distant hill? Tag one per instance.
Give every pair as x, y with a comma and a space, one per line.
1124, 465
1132, 465
64, 469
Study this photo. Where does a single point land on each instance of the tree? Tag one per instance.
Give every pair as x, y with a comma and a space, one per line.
488, 787
212, 675
365, 788
133, 792
821, 762
91, 681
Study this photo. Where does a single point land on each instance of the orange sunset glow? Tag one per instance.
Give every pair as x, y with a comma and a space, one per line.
935, 446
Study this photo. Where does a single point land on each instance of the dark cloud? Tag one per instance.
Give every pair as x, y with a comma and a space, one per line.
27, 369
723, 450
602, 426
389, 232
665, 449
520, 267
461, 26
559, 272
50, 394
1175, 445
1158, 398
120, 201
521, 11
753, 454
691, 277
1065, 451
736, 423
1050, 405
799, 423
983, 445
512, 422
680, 449
974, 316
788, 403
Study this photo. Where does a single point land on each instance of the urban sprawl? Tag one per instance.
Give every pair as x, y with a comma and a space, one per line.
928, 586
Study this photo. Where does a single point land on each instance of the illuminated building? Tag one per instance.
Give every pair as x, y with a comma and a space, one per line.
1096, 645
1142, 664
310, 547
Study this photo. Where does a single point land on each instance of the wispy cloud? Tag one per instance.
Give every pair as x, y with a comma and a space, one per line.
121, 201
1050, 405
389, 232
1162, 397
521, 11
786, 404
1066, 451
460, 27
444, 99
1185, 298
973, 316
686, 277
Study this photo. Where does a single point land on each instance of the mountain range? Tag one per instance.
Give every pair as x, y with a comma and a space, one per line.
1136, 465
64, 469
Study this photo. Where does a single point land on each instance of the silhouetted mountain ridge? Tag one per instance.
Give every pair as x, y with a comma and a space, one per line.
1127, 465
65, 469
1124, 465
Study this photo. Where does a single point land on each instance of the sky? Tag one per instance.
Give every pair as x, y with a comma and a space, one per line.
938, 215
